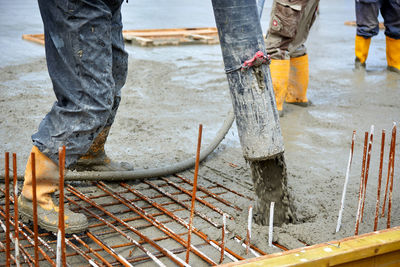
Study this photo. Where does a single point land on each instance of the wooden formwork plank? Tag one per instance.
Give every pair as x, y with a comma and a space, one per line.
149, 37
353, 23
363, 250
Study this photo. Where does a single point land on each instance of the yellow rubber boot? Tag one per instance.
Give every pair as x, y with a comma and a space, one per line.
280, 79
361, 50
298, 81
47, 179
393, 54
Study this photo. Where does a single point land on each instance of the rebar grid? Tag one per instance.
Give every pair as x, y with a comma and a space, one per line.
129, 224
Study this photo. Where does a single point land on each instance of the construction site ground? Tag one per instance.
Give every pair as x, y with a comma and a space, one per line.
171, 90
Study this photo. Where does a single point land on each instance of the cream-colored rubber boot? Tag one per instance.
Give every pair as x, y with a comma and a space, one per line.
280, 79
298, 81
47, 174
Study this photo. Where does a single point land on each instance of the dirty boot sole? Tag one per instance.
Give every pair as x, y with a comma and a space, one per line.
26, 215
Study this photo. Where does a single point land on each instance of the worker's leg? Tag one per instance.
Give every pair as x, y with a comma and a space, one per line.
391, 14
285, 17
96, 159
298, 75
79, 61
367, 12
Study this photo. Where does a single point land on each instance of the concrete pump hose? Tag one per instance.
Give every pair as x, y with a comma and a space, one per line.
149, 173
157, 172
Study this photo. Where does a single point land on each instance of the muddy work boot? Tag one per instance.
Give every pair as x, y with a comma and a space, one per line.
97, 160
48, 216
47, 173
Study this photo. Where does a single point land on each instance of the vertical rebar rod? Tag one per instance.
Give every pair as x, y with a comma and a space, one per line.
31, 242
371, 139
248, 236
360, 191
34, 208
388, 175
391, 175
346, 181
61, 259
196, 171
223, 238
16, 228
378, 194
7, 206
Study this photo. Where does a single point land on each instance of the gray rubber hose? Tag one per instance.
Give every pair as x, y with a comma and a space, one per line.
157, 172
148, 173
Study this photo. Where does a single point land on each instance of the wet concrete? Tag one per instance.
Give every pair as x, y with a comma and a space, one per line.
170, 90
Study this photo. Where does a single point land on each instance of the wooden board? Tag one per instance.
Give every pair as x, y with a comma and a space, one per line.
353, 23
364, 250
156, 37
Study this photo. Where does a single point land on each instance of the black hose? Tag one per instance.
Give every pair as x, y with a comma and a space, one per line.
149, 173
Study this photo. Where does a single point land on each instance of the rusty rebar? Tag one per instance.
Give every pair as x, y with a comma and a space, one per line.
170, 214
378, 194
371, 139
223, 238
196, 172
61, 223
148, 217
30, 241
109, 249
16, 228
391, 175
388, 174
202, 201
34, 206
94, 204
7, 206
360, 192
91, 250
211, 194
175, 199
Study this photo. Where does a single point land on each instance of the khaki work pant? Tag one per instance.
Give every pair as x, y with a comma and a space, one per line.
290, 24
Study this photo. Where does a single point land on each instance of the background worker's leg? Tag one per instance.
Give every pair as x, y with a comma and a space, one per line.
280, 78
79, 59
283, 31
298, 81
391, 14
367, 12
96, 159
299, 73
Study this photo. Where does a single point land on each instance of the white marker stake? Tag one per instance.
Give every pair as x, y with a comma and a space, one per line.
58, 254
346, 181
249, 220
271, 223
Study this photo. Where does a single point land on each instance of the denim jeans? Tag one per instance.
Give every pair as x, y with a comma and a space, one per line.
87, 65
